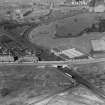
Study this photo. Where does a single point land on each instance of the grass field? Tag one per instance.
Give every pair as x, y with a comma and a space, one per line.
77, 96
95, 73
28, 82
44, 35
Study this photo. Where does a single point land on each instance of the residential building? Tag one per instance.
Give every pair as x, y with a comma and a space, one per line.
80, 2
17, 14
28, 58
48, 2
6, 58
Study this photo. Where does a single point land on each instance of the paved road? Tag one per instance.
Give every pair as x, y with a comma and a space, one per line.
80, 79
60, 63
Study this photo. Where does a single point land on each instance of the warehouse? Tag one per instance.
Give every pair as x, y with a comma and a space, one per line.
98, 45
98, 48
68, 53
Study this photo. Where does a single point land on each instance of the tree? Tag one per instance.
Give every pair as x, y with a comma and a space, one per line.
92, 3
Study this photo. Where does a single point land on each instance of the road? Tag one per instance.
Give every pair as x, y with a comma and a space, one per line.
80, 79
58, 63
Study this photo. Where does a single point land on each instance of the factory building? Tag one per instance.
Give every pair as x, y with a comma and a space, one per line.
98, 48
72, 53
98, 45
69, 53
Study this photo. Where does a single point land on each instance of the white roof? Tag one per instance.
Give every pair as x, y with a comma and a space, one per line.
98, 45
99, 8
71, 53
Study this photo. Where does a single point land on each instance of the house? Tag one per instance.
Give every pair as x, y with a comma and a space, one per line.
80, 2
6, 58
48, 2
28, 58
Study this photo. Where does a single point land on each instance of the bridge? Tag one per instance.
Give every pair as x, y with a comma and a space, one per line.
58, 63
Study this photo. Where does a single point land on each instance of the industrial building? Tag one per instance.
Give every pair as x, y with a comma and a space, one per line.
71, 53
98, 45
98, 48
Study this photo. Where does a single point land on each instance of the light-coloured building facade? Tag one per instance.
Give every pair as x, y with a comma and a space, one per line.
98, 45
81, 2
28, 58
61, 2
6, 58
67, 53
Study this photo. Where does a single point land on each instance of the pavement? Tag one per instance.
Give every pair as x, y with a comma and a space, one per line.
49, 63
